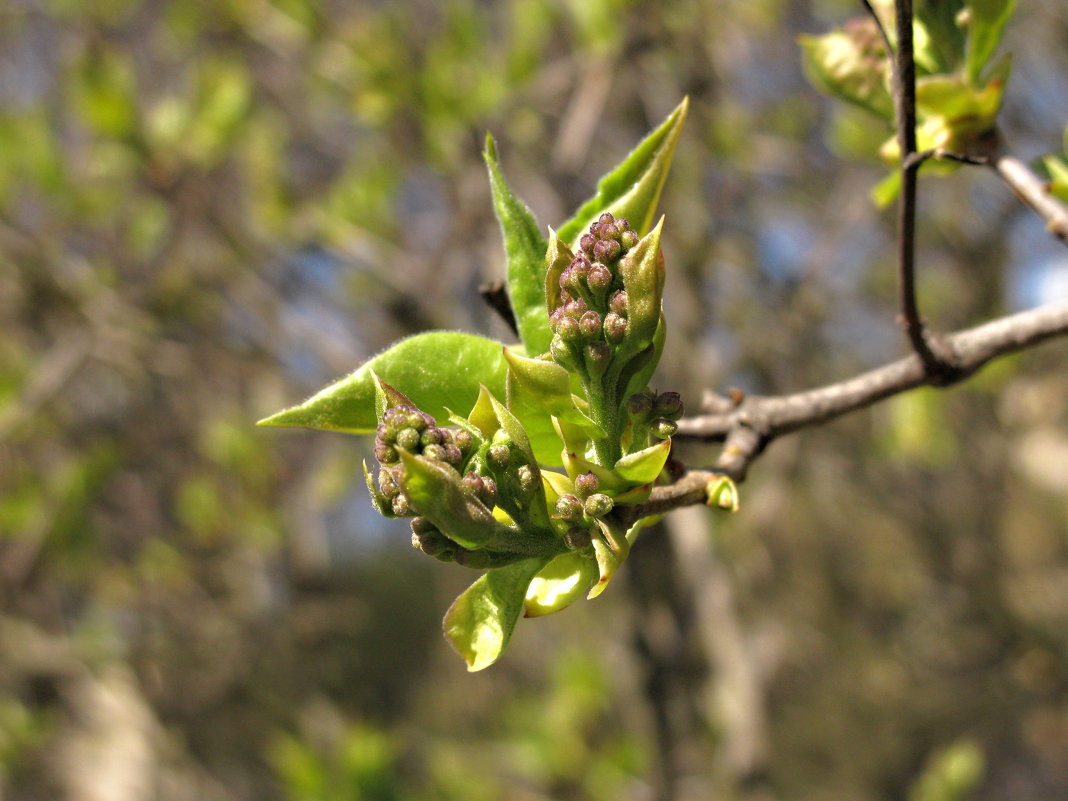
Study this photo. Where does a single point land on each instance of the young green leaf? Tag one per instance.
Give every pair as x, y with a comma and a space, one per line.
524, 248
437, 370
435, 492
848, 65
632, 189
645, 465
986, 24
480, 622
547, 382
560, 583
643, 279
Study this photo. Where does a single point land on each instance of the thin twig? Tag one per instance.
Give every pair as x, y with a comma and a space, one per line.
1034, 192
879, 25
748, 424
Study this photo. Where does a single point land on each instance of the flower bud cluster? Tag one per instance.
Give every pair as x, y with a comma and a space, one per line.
592, 313
580, 509
659, 413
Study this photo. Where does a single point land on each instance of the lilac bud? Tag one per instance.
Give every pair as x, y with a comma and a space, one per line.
599, 279
587, 242
432, 436
606, 218
668, 405
402, 507
639, 406
432, 543
387, 484
590, 325
420, 525
499, 455
420, 421
386, 454
569, 508
489, 491
618, 303
408, 439
615, 328
576, 308
473, 559
663, 428
607, 249
598, 354
598, 505
622, 224
397, 416
386, 434
586, 484
528, 482
463, 440
577, 538
452, 454
563, 353
628, 239
436, 452
567, 329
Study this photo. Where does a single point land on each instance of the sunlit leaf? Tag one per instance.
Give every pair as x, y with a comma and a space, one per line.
439, 370
842, 65
480, 622
524, 247
632, 189
435, 492
986, 24
560, 583
645, 465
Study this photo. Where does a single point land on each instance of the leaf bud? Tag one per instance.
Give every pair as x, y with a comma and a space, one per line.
618, 302
408, 439
590, 325
569, 508
586, 484
577, 538
599, 279
598, 505
668, 405
615, 328
663, 428
499, 455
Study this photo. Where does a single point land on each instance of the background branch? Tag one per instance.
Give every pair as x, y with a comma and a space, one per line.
1034, 192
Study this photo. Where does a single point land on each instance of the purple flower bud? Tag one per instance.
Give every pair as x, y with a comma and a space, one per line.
419, 420
432, 436
607, 249
576, 308
563, 353
598, 505
499, 455
408, 439
668, 405
622, 224
453, 455
387, 484
599, 279
577, 538
598, 354
432, 542
463, 440
587, 242
385, 434
565, 297
420, 525
615, 328
489, 492
628, 239
586, 484
618, 303
567, 329
569, 508
386, 454
590, 325
639, 406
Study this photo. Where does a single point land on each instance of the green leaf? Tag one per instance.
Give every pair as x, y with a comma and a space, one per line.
387, 396
838, 65
986, 24
560, 583
480, 622
438, 370
538, 424
482, 415
643, 279
546, 381
524, 248
435, 491
886, 191
632, 189
379, 501
943, 38
645, 465
1058, 174
557, 258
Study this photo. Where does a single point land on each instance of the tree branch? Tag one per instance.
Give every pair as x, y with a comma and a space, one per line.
1034, 192
746, 425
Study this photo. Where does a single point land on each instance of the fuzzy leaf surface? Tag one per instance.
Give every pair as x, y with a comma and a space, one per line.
438, 370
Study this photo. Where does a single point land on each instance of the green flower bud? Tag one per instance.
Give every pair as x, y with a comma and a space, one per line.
499, 455
628, 239
663, 428
590, 325
577, 538
569, 508
615, 328
568, 329
385, 434
432, 436
408, 438
420, 421
564, 354
464, 441
586, 484
598, 505
481, 487
421, 525
437, 452
387, 484
598, 354
432, 542
639, 406
668, 405
386, 454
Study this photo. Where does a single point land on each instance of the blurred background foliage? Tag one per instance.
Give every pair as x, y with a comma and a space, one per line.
209, 210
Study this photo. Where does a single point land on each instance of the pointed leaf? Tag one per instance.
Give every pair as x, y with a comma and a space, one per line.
546, 381
632, 189
560, 583
557, 258
837, 64
436, 370
645, 465
643, 279
986, 23
544, 442
482, 415
524, 248
608, 563
386, 396
378, 500
480, 622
